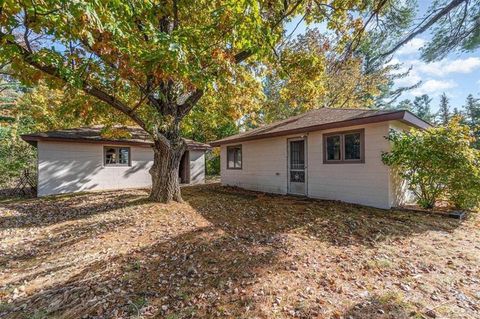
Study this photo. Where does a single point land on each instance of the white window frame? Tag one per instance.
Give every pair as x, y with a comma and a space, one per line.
117, 151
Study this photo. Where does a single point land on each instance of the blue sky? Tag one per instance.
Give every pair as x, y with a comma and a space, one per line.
457, 75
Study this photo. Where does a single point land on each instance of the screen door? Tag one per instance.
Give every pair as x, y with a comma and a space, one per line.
296, 167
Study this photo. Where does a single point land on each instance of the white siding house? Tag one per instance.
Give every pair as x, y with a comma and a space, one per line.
267, 163
67, 163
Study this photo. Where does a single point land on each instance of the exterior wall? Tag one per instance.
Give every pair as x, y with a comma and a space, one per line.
74, 167
197, 167
361, 183
264, 168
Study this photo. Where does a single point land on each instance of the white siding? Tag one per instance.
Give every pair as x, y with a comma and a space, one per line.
265, 168
197, 167
362, 183
73, 167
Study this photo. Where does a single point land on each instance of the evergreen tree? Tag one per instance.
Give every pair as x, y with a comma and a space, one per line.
472, 109
405, 105
444, 114
472, 114
422, 108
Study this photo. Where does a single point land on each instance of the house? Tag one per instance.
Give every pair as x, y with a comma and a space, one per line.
326, 154
80, 159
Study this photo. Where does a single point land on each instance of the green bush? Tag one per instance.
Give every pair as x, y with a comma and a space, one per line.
213, 162
439, 162
15, 157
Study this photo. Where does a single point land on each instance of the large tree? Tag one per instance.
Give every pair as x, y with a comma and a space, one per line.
472, 117
422, 108
153, 61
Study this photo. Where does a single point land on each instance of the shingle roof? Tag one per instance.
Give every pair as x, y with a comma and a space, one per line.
93, 135
323, 118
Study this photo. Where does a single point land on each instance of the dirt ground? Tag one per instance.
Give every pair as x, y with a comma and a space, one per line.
228, 253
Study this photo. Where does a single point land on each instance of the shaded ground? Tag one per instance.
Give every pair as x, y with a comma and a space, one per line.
228, 253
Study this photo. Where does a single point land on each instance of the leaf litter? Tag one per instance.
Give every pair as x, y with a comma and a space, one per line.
231, 253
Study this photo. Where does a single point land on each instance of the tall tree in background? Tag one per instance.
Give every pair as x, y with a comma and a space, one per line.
10, 91
422, 108
311, 74
444, 112
405, 105
472, 110
455, 26
15, 155
377, 40
361, 78
472, 117
153, 61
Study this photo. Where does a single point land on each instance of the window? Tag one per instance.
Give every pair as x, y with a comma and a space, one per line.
234, 157
116, 156
333, 147
352, 146
344, 147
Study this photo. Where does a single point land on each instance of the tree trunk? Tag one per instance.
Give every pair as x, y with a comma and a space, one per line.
164, 171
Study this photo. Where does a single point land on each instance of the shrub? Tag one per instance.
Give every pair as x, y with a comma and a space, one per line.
213, 162
438, 162
15, 157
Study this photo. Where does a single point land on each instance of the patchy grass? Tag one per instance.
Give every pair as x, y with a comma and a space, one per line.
229, 253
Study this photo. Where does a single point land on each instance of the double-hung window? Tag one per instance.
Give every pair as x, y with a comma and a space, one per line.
234, 157
344, 147
116, 156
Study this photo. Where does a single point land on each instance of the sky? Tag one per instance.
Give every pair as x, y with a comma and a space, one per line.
457, 75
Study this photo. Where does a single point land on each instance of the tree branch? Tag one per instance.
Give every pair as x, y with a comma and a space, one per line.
420, 29
189, 103
86, 87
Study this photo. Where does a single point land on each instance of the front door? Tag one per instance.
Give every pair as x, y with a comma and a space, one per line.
297, 168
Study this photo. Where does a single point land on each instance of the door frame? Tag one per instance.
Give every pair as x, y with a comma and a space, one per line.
292, 139
184, 168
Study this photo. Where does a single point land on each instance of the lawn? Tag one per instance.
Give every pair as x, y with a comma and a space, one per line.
229, 253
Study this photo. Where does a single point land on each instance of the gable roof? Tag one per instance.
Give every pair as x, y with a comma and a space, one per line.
93, 135
322, 119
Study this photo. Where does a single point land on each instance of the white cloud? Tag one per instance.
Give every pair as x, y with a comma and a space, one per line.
433, 87
411, 47
411, 79
446, 66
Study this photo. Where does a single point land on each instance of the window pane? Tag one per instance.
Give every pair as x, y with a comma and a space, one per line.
352, 146
333, 148
110, 156
238, 158
230, 157
123, 157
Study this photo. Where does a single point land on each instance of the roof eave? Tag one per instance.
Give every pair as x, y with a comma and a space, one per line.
34, 139
404, 116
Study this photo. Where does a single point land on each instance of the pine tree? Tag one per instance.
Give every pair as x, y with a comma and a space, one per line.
472, 112
405, 105
421, 107
444, 114
472, 109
